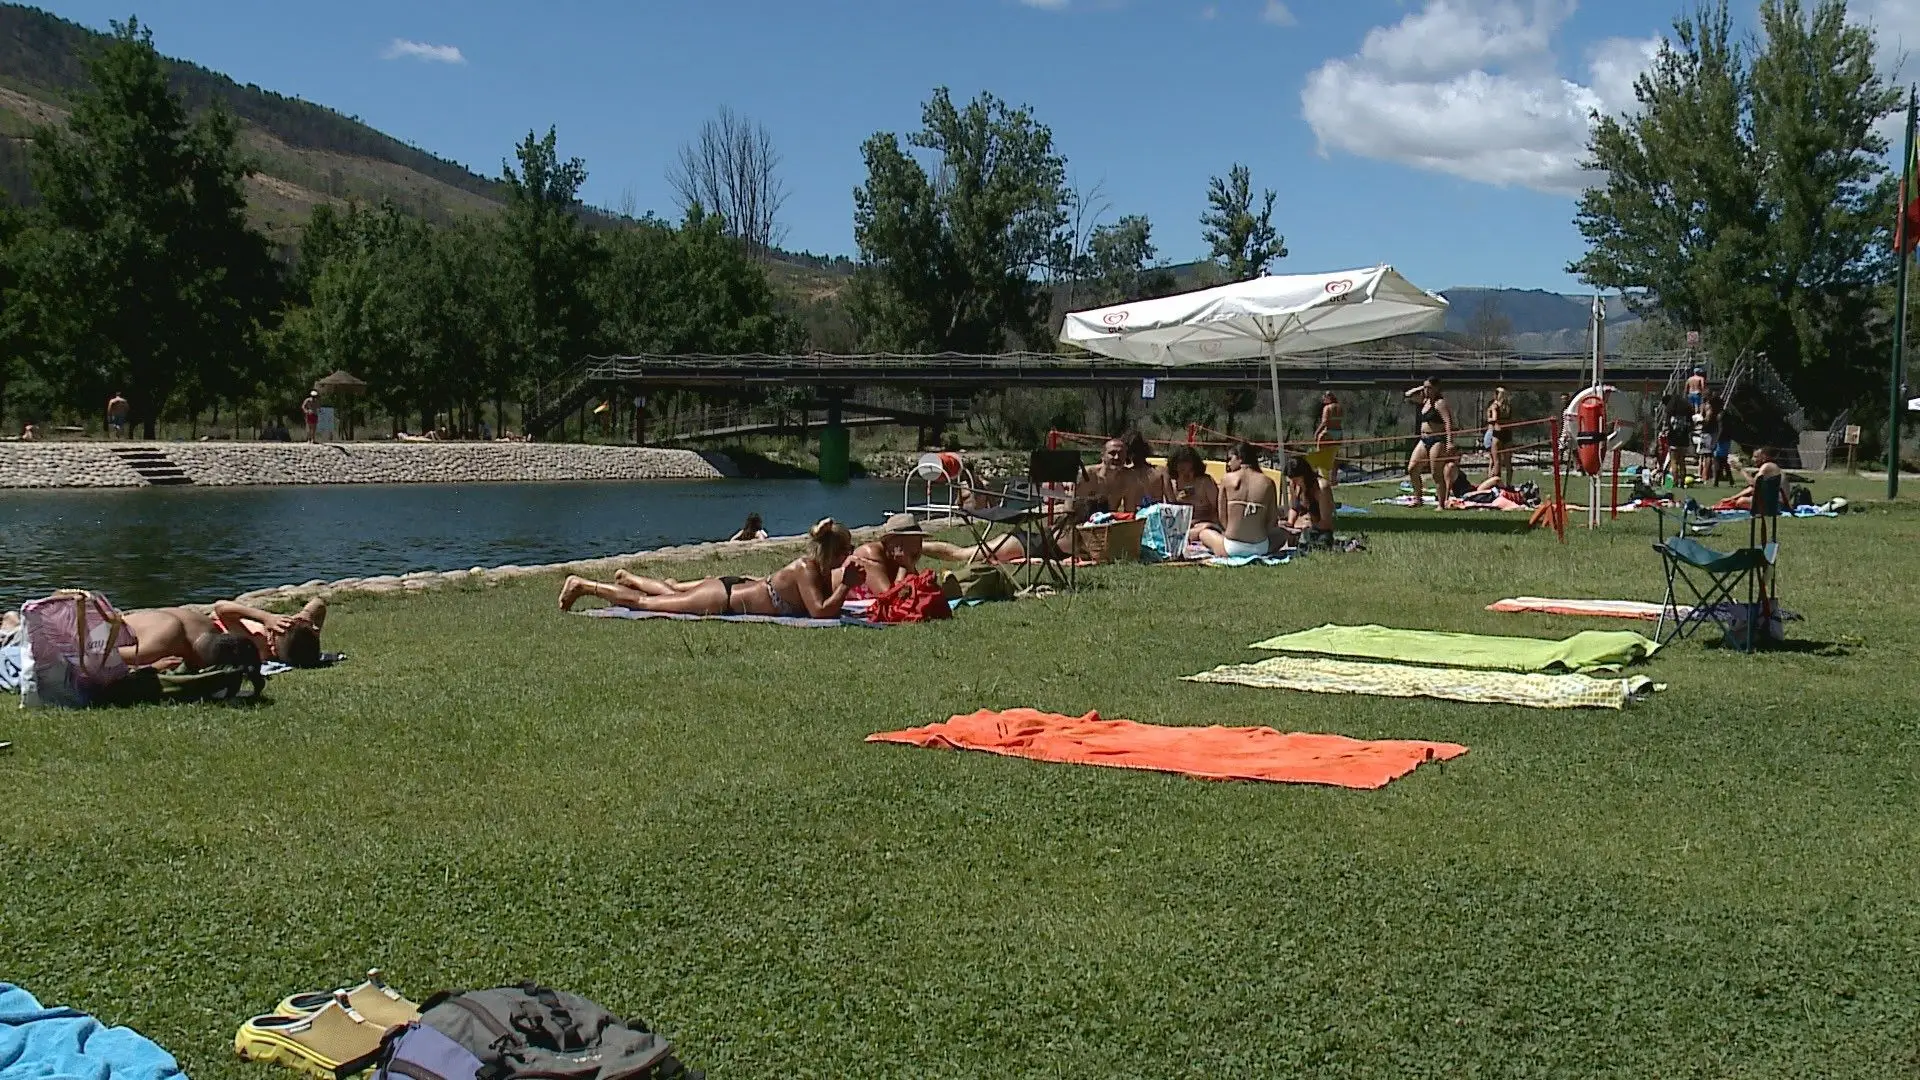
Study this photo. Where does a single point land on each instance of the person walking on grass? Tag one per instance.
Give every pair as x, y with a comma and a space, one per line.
1433, 438
310, 408
117, 416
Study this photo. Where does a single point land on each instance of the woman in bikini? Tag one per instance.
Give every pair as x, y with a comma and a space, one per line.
803, 587
1249, 507
1433, 429
1500, 437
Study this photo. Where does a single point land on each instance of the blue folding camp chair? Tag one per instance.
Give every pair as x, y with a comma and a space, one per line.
1717, 579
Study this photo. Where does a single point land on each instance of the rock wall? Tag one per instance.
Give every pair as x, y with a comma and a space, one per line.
223, 464
63, 465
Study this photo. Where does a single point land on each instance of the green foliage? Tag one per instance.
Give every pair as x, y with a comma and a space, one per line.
1178, 408
1022, 418
949, 252
1749, 198
1241, 238
1117, 265
695, 289
547, 260
142, 214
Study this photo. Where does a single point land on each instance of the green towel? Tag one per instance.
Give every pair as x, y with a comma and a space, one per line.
1588, 650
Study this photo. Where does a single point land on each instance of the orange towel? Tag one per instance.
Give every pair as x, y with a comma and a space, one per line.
1210, 753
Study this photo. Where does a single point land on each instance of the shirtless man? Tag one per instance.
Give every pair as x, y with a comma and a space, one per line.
117, 416
1145, 480
1696, 388
1113, 484
186, 635
1249, 503
901, 545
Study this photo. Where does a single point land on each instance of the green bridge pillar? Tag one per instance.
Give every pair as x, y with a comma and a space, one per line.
835, 447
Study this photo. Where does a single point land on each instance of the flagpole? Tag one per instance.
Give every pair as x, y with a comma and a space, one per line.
1900, 304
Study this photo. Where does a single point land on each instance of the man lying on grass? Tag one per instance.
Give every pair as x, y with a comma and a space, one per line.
804, 587
232, 635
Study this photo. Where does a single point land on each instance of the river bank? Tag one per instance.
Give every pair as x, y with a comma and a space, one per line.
235, 464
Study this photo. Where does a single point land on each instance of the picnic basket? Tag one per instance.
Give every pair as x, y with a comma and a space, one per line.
1116, 541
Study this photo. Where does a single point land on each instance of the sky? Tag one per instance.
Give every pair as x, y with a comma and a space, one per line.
1442, 136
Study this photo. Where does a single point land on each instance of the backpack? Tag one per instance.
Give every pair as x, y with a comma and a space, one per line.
915, 597
1800, 496
976, 583
525, 1031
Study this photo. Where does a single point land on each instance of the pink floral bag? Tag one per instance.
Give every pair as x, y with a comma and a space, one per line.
71, 649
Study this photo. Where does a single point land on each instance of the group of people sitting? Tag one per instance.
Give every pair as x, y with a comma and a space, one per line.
1242, 515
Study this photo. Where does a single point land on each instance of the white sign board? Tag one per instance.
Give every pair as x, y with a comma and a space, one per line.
1913, 404
323, 425
1147, 388
1852, 435
1693, 339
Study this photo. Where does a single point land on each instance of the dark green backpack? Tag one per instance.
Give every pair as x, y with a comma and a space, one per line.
146, 686
524, 1032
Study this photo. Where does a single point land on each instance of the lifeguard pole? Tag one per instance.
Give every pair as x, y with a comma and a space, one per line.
1599, 321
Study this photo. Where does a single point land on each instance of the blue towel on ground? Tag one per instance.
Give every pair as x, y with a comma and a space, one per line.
778, 620
1251, 560
66, 1044
1343, 508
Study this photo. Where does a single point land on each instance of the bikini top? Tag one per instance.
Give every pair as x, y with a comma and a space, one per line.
1429, 413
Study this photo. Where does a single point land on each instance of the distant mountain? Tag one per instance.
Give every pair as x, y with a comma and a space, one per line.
1541, 321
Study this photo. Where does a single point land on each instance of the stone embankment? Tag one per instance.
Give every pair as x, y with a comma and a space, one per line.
228, 464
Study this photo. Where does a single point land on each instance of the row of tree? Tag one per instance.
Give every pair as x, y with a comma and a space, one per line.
1747, 197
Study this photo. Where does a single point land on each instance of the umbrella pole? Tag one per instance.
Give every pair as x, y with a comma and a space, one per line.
1279, 425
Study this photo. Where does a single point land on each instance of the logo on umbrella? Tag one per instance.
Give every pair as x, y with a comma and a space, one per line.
1335, 288
1114, 318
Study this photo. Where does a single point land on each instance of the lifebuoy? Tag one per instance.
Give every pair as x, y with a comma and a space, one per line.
1588, 413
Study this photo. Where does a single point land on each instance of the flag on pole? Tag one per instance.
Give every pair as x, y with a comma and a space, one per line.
1906, 225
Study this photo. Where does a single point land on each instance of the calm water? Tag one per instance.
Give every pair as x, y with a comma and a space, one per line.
151, 546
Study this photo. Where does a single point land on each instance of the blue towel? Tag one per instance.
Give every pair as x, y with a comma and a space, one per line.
778, 620
66, 1044
1343, 508
1251, 560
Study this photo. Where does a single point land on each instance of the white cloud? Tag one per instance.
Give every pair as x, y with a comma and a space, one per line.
1896, 31
1471, 88
402, 49
1277, 14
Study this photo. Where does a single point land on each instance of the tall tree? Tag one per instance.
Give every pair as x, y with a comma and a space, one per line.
1118, 264
547, 258
1748, 197
142, 214
1242, 239
1488, 327
950, 253
732, 169
694, 289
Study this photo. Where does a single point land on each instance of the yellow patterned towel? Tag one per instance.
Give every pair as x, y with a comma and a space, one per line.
1323, 675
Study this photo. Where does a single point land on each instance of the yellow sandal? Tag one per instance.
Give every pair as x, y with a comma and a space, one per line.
329, 1042
379, 1003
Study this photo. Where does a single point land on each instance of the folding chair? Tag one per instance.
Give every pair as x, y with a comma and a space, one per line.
1028, 512
1713, 578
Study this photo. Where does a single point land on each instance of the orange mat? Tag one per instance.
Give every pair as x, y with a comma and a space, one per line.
1209, 753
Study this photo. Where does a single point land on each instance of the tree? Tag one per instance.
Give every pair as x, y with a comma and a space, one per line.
729, 169
1117, 264
1488, 327
1749, 198
546, 260
949, 254
1242, 241
694, 289
143, 215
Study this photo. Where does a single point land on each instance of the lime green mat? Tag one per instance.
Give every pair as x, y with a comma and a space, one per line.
1588, 650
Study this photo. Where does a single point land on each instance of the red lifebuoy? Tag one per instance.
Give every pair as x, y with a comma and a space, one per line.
1591, 438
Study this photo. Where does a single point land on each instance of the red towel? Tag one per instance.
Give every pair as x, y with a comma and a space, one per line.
1209, 753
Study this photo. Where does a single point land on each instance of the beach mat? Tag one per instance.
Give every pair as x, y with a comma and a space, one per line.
777, 620
1209, 753
1619, 609
1586, 651
1325, 675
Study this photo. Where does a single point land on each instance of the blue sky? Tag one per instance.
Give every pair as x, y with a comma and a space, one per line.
1443, 136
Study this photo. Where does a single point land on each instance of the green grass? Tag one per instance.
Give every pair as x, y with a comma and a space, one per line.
682, 822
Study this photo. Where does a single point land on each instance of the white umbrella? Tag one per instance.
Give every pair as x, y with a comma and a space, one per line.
1267, 316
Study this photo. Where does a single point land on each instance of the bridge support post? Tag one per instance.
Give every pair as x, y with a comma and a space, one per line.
835, 448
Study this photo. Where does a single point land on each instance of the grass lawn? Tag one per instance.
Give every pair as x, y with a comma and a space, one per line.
682, 822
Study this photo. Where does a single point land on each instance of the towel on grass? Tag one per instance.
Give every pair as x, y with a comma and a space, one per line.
1620, 609
1324, 675
1209, 753
1588, 650
1252, 560
65, 1044
777, 620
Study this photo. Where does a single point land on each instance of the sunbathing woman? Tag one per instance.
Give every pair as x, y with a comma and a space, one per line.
803, 587
1188, 484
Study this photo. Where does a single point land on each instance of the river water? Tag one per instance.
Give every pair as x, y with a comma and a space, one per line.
153, 546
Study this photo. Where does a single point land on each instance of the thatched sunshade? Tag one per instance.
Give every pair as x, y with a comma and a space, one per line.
341, 382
